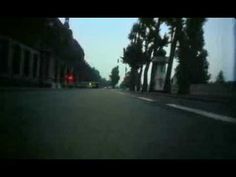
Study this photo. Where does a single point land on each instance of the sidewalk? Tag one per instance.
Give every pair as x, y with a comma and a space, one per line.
219, 105
203, 98
29, 89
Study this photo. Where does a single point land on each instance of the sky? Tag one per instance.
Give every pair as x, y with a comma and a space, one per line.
103, 40
219, 39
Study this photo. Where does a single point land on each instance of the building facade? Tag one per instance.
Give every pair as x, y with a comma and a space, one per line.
21, 65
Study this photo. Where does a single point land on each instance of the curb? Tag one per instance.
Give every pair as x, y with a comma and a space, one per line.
198, 98
195, 98
31, 89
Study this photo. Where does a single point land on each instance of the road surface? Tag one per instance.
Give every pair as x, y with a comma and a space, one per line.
106, 124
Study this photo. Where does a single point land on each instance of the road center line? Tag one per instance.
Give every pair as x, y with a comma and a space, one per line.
146, 99
205, 113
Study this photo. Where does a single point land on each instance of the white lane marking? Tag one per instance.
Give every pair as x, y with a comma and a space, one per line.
121, 93
142, 98
205, 113
146, 99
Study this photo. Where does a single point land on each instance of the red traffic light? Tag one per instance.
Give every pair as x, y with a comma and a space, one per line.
70, 77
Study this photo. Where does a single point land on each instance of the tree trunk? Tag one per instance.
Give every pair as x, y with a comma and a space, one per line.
152, 81
167, 86
154, 65
132, 79
139, 79
145, 81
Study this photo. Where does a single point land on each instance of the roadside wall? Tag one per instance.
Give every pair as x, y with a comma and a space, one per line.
222, 90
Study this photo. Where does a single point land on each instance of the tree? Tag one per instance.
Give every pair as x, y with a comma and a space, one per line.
104, 82
175, 25
136, 39
220, 77
126, 82
134, 56
146, 34
192, 57
114, 76
182, 70
146, 42
158, 43
198, 55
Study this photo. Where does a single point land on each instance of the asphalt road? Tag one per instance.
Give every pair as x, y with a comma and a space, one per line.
104, 124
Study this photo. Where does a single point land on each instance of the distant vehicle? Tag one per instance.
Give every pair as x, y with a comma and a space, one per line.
93, 85
87, 84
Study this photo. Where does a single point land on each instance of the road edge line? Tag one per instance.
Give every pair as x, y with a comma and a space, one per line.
204, 113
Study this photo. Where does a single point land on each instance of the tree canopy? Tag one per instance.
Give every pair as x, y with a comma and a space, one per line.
192, 57
220, 77
115, 76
